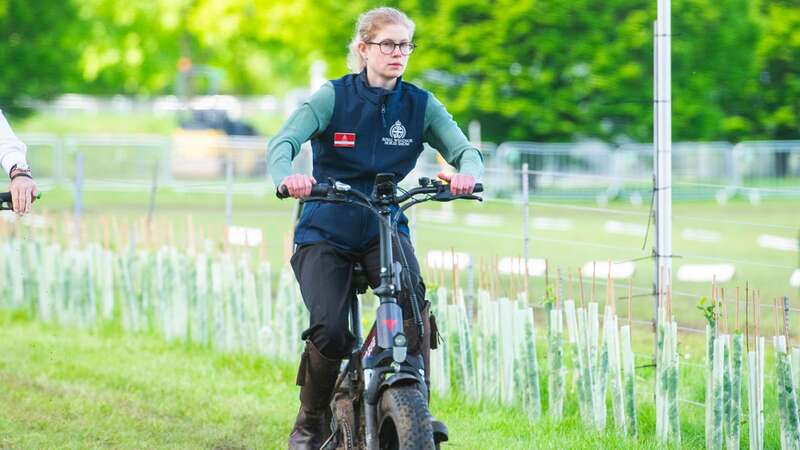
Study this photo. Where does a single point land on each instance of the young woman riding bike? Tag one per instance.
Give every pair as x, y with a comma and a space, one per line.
365, 123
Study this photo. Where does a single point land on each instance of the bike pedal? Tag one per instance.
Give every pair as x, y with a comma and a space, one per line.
440, 432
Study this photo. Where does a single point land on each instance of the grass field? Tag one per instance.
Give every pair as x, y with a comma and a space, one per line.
72, 389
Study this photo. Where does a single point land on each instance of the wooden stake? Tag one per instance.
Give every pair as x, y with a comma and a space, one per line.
546, 276
580, 280
756, 312
558, 287
669, 303
775, 313
724, 309
747, 316
630, 295
738, 329
594, 274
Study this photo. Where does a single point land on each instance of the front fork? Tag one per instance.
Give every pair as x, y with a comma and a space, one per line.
389, 327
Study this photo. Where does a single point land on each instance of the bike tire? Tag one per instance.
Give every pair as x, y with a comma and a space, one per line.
404, 420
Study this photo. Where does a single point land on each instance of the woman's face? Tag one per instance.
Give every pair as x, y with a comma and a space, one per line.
387, 66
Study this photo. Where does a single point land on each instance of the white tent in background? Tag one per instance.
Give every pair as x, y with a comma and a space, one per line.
516, 265
600, 269
703, 273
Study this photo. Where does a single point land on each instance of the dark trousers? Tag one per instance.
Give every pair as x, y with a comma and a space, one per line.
325, 274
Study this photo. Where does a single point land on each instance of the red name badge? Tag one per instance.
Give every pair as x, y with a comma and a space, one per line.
344, 139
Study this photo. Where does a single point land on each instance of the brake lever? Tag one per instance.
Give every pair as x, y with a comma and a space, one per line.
446, 196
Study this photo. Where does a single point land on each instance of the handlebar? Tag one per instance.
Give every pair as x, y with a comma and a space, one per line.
440, 190
5, 200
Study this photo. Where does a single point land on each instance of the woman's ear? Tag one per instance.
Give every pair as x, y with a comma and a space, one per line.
362, 49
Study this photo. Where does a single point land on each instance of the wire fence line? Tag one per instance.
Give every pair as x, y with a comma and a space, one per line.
641, 255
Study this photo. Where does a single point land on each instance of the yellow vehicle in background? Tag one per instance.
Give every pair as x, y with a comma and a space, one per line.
207, 135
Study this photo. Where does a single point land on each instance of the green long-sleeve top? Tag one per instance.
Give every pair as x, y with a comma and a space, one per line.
440, 132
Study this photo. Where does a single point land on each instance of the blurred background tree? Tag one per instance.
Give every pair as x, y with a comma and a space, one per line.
537, 70
38, 54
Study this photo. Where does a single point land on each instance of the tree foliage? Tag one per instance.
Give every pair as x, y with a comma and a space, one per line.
527, 69
38, 51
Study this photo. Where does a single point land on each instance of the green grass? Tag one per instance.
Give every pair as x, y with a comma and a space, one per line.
66, 388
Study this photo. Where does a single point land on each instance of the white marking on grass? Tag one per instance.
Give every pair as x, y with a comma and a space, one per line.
700, 235
550, 223
483, 220
794, 281
622, 270
778, 243
516, 265
444, 214
702, 273
443, 259
627, 228
250, 237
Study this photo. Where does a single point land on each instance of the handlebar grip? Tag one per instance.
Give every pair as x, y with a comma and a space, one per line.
320, 190
5, 197
317, 190
282, 192
478, 188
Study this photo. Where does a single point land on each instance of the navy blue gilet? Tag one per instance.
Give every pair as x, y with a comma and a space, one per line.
372, 130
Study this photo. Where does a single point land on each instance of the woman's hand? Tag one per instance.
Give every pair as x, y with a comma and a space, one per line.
298, 185
460, 183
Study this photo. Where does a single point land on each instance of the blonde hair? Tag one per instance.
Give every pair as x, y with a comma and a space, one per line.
367, 27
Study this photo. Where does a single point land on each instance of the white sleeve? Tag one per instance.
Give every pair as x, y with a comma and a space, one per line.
12, 150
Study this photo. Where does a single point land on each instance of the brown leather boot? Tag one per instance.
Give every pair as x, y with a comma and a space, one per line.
316, 376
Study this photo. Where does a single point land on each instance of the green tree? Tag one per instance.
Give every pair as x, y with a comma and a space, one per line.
778, 57
133, 47
40, 46
535, 70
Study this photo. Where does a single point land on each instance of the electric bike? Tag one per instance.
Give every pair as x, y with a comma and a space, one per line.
380, 399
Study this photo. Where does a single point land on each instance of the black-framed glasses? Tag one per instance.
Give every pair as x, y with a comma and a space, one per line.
387, 47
